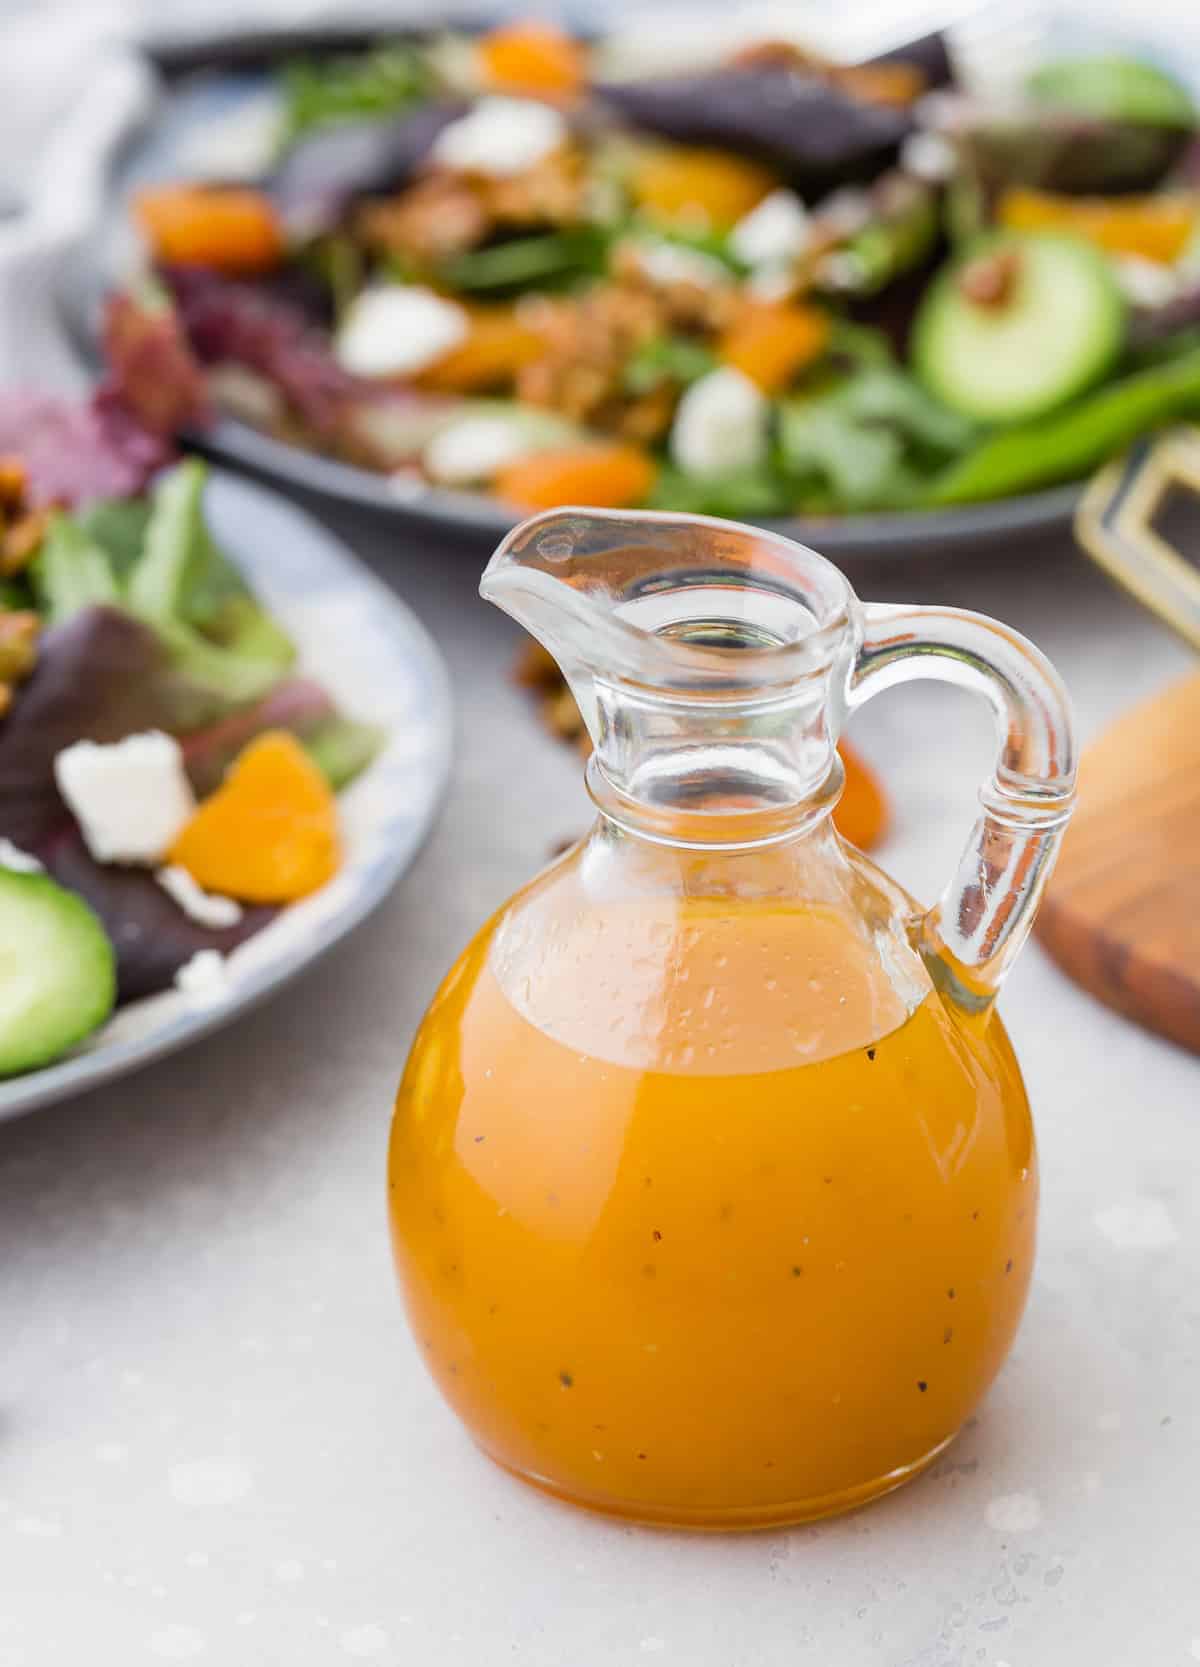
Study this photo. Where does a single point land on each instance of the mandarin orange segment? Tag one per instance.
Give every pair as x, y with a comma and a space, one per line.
602, 476
1154, 228
532, 57
861, 815
703, 188
231, 229
490, 357
269, 834
772, 342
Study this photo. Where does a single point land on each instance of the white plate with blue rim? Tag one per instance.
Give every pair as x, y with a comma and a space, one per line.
367, 649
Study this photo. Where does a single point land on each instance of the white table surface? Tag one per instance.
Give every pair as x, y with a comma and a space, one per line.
217, 1442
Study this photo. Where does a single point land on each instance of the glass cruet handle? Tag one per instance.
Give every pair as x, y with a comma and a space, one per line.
972, 934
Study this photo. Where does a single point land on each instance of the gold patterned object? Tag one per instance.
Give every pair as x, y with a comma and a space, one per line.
1115, 525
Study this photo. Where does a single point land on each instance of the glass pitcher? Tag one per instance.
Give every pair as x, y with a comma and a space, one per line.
712, 1178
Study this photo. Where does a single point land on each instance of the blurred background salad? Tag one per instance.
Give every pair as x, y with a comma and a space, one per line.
791, 264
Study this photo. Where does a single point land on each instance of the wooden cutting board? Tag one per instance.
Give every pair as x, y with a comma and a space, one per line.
1122, 914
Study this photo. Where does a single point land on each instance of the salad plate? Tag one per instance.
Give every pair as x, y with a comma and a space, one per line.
919, 334
372, 658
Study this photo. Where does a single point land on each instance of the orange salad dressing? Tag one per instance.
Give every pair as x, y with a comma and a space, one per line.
742, 1242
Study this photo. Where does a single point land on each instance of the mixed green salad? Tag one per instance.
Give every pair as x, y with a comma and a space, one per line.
167, 776
759, 285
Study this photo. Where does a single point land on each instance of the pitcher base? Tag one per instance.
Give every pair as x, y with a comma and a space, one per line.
712, 1519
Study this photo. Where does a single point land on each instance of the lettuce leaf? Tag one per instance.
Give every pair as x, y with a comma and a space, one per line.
70, 572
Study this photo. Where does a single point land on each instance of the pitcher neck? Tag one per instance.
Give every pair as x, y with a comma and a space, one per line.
709, 813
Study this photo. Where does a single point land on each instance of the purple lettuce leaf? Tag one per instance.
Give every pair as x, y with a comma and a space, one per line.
150, 933
816, 133
321, 176
230, 322
280, 339
99, 677
153, 379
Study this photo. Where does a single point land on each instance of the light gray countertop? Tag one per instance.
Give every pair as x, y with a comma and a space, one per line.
217, 1442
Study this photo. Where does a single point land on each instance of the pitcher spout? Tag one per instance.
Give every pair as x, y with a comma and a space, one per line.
699, 651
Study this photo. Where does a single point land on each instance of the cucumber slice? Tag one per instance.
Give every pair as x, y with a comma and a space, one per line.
58, 977
1118, 89
1054, 327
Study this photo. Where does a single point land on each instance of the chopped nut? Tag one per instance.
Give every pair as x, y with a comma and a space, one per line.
896, 83
587, 343
648, 417
538, 672
446, 213
536, 667
18, 644
770, 54
684, 303
562, 714
440, 215
551, 193
12, 482
22, 541
988, 280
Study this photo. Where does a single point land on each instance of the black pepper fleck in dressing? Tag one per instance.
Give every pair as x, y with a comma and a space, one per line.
566, 1380
922, 1385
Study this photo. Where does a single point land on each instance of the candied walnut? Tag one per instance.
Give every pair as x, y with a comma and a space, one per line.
12, 482
440, 215
896, 83
18, 645
587, 343
988, 280
648, 416
551, 193
22, 541
704, 301
535, 667
770, 54
446, 213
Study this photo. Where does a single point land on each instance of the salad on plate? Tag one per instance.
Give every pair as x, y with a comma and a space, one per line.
758, 285
168, 774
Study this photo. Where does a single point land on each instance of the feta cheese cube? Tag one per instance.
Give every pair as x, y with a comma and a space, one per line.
204, 979
130, 798
473, 445
398, 330
205, 907
928, 156
667, 263
776, 231
501, 137
721, 425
